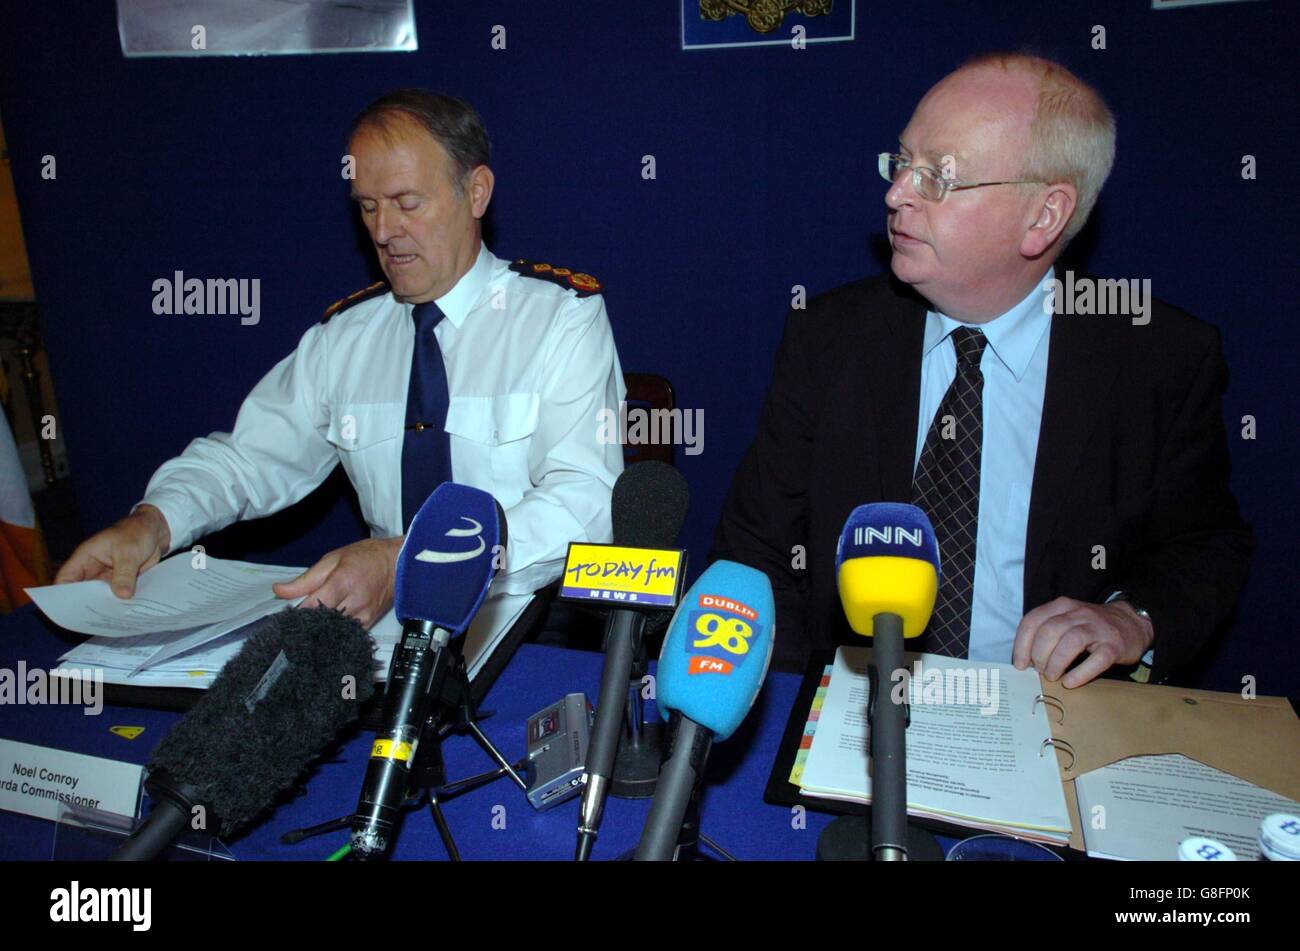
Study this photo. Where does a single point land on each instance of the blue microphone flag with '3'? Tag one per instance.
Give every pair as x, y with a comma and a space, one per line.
718, 647
452, 551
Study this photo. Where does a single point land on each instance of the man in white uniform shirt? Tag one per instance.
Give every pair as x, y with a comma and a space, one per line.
529, 364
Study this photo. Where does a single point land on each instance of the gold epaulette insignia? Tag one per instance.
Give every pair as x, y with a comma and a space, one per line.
356, 297
582, 284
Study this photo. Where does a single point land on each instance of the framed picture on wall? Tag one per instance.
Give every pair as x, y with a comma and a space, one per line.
717, 24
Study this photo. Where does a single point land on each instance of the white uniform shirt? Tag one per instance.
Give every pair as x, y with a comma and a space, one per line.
530, 365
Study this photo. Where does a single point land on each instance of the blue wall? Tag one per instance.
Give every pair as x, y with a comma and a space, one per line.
765, 179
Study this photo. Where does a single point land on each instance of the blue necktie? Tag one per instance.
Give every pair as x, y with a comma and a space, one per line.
426, 449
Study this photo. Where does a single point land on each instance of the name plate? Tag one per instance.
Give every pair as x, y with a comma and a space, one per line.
37, 781
623, 577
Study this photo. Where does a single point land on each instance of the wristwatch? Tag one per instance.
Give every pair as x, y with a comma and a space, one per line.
1143, 672
1137, 608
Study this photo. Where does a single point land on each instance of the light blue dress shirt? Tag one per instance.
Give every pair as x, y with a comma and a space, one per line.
1014, 365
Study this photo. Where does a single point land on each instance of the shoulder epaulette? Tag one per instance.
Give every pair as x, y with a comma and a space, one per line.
356, 297
584, 284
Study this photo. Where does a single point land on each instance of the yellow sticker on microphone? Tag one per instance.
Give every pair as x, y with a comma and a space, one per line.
391, 749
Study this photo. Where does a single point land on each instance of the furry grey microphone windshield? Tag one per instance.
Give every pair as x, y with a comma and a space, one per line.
649, 505
274, 707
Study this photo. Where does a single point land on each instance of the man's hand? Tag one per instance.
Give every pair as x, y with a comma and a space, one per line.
356, 579
120, 552
1052, 635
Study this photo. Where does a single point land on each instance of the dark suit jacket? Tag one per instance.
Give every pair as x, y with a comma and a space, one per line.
1132, 455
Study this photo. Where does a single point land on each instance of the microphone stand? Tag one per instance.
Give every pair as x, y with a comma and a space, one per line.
451, 709
893, 838
687, 749
453, 701
688, 842
640, 748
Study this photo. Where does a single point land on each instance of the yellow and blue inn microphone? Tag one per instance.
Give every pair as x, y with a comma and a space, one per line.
887, 568
887, 563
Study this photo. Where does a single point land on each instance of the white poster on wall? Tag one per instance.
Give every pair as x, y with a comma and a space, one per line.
1170, 4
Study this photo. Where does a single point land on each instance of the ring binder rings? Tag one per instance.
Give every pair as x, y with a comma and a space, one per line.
1051, 702
1059, 745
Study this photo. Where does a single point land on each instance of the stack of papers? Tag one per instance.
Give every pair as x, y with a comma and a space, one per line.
977, 760
186, 621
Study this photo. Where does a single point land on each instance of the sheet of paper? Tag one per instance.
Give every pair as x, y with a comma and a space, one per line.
184, 642
117, 658
1142, 807
174, 594
108, 658
974, 746
494, 619
387, 634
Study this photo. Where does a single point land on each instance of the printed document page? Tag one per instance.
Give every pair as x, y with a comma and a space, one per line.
173, 595
1142, 807
975, 752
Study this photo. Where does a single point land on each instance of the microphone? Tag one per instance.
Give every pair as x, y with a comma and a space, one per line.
647, 509
711, 668
887, 568
272, 710
446, 565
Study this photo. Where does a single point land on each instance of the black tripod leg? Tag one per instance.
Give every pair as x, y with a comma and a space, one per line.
717, 848
493, 752
443, 829
294, 836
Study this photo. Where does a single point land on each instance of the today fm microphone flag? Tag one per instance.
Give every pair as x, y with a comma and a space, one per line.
887, 569
642, 576
713, 663
444, 570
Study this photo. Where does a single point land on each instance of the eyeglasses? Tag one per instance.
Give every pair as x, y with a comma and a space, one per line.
928, 182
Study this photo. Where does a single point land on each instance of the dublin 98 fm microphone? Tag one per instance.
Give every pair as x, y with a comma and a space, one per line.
887, 567
714, 660
446, 565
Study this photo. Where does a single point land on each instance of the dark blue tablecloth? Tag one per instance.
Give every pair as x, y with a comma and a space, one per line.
494, 822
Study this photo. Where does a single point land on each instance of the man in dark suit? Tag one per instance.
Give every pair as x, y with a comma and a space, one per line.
1073, 462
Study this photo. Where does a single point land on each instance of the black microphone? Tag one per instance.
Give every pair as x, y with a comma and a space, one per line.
274, 707
451, 553
647, 510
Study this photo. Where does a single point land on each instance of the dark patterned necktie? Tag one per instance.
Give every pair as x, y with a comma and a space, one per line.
426, 449
947, 488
